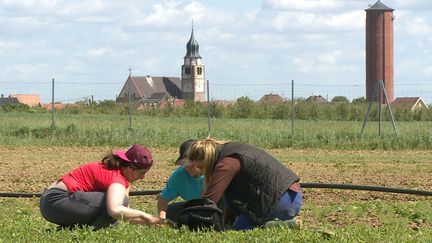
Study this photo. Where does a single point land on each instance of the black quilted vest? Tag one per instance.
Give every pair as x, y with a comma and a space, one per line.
262, 180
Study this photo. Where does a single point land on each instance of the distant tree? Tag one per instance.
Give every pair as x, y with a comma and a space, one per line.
340, 99
359, 100
15, 107
195, 109
217, 110
243, 108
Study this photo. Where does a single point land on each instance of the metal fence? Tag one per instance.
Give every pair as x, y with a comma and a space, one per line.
71, 92
53, 91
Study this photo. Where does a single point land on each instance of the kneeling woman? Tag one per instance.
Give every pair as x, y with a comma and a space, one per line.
97, 194
255, 185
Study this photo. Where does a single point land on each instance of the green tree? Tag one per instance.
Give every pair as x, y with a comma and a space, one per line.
340, 99
15, 107
243, 108
359, 100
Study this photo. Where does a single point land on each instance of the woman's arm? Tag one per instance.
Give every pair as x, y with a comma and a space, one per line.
115, 197
162, 205
223, 174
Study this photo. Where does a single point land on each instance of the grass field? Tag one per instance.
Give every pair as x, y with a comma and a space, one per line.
354, 216
109, 130
33, 156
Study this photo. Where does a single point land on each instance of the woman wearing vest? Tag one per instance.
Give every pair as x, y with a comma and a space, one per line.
256, 186
97, 194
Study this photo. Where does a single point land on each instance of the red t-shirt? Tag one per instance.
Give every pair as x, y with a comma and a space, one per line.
93, 177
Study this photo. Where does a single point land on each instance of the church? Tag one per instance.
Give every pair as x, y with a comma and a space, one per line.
153, 91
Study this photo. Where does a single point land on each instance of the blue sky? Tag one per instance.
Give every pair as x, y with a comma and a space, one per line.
249, 47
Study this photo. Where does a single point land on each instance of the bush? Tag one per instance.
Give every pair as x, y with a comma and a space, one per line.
243, 108
359, 100
15, 107
340, 99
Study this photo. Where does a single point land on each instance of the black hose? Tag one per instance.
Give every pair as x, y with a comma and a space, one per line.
17, 194
367, 188
304, 185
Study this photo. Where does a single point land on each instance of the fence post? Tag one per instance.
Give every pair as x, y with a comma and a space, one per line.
129, 103
379, 106
208, 108
292, 108
52, 105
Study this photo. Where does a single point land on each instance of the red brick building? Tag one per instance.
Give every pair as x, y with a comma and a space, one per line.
379, 50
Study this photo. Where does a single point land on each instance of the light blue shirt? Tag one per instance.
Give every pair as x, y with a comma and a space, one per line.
182, 184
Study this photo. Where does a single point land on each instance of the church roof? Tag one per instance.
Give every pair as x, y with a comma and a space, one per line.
379, 6
148, 85
192, 47
152, 87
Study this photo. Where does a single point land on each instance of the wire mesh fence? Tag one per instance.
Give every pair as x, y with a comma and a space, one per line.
67, 92
57, 92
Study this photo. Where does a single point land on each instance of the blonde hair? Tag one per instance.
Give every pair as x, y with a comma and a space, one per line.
204, 150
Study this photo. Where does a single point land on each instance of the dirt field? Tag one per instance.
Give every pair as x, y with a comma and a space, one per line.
31, 169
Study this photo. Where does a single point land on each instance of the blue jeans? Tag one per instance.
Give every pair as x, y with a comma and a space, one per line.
288, 207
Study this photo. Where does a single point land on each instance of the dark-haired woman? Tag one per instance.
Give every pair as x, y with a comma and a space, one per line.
97, 194
257, 187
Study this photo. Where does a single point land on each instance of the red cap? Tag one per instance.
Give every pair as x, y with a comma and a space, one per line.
138, 155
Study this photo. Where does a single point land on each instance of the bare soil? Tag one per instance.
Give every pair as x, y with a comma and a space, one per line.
30, 169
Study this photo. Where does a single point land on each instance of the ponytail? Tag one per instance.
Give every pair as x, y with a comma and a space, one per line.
113, 162
205, 150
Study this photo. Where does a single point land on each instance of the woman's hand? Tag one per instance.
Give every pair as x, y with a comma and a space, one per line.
115, 208
170, 223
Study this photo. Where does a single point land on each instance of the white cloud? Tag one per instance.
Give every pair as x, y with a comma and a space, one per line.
29, 72
428, 71
94, 19
10, 46
28, 3
295, 5
423, 5
97, 51
284, 39
330, 58
162, 14
313, 22
419, 26
195, 8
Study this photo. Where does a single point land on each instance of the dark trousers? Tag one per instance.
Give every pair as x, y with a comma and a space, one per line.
76, 209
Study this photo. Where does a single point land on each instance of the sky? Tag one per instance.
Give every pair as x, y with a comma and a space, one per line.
249, 47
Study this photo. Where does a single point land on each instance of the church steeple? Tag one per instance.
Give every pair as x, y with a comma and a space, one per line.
193, 72
192, 47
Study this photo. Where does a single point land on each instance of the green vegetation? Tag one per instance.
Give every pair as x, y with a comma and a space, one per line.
339, 109
351, 222
24, 128
328, 215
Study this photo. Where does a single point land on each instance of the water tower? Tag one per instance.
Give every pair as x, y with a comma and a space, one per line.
379, 51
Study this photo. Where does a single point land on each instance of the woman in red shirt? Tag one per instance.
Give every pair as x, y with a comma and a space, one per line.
97, 194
